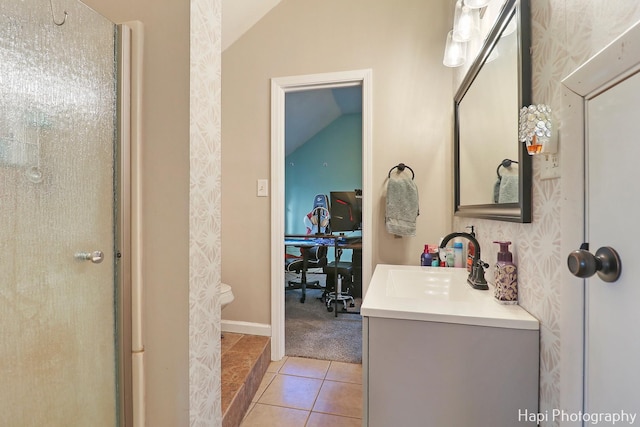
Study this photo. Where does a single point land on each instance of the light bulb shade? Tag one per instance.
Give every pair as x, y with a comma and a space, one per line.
466, 22
476, 4
455, 52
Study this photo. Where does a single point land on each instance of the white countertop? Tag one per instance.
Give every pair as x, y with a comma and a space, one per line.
438, 294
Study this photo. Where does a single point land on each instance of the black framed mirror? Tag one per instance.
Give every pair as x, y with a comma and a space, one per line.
492, 168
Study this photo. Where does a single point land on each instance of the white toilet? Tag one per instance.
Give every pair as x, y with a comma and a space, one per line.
226, 296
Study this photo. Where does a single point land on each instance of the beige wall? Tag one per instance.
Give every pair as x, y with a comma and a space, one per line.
402, 42
165, 158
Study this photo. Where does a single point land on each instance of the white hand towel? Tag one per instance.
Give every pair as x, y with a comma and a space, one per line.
402, 205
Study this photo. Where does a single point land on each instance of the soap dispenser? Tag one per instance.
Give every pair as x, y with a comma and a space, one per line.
506, 276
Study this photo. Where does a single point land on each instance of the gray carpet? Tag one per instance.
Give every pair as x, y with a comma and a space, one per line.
311, 331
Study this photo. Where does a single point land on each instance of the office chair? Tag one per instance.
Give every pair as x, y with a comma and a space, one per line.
342, 291
316, 222
312, 257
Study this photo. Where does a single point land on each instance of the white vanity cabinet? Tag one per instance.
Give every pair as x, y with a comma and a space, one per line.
455, 359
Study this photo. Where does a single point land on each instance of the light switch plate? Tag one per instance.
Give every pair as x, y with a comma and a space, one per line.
550, 166
263, 188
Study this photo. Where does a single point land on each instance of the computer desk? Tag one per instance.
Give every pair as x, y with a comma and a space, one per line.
338, 242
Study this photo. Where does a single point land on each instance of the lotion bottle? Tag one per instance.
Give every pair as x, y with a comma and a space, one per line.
506, 276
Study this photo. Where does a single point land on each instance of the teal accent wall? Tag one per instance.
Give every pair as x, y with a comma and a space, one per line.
329, 161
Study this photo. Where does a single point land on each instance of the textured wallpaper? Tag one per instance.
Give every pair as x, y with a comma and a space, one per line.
204, 216
565, 33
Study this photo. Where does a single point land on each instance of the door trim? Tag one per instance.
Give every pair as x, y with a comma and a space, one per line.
122, 203
129, 223
616, 62
279, 87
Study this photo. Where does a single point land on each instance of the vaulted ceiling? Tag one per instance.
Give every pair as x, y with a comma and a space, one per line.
307, 112
240, 15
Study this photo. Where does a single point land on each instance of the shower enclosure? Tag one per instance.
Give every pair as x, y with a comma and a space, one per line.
60, 352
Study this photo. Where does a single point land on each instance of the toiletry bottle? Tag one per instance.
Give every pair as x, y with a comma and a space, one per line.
425, 258
457, 254
471, 250
442, 255
435, 259
449, 257
506, 276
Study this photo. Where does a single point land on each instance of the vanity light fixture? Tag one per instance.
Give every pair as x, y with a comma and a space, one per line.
536, 129
455, 52
476, 4
466, 30
466, 22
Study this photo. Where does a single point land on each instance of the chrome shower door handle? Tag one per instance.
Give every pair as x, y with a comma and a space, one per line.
95, 257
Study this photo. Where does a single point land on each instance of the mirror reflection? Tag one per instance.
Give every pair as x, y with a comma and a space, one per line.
488, 126
493, 171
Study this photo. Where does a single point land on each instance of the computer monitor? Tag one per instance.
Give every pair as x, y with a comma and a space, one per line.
346, 211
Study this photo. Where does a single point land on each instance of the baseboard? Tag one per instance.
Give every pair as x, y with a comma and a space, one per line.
247, 328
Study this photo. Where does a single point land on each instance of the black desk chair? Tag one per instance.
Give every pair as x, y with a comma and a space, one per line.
312, 257
316, 222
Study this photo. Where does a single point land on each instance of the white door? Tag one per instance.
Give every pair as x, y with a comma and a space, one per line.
612, 337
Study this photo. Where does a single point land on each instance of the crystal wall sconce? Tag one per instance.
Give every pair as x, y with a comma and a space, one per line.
536, 130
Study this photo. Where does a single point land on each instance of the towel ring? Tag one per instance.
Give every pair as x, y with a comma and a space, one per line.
506, 163
401, 167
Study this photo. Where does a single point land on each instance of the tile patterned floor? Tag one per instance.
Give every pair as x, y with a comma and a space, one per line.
300, 392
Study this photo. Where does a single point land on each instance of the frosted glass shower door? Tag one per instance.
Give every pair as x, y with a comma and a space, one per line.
57, 130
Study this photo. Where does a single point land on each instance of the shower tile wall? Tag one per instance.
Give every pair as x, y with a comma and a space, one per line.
565, 33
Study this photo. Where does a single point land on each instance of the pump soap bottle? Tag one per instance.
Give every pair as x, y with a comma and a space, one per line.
506, 276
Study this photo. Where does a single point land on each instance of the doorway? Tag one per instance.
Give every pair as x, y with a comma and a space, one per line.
60, 229
279, 88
